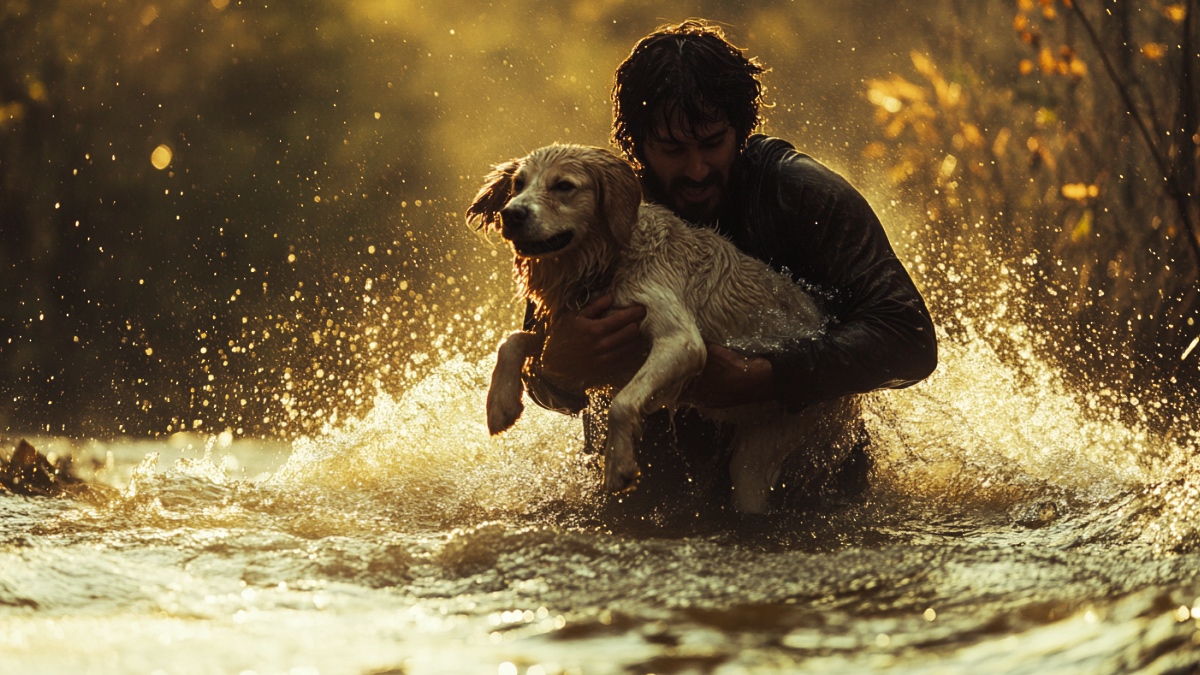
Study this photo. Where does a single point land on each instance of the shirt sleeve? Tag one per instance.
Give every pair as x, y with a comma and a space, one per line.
880, 334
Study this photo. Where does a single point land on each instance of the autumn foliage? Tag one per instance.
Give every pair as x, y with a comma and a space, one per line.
1063, 168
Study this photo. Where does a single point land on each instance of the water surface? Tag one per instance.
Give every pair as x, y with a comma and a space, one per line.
1010, 527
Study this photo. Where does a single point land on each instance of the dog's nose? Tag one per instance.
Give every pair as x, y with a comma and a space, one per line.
514, 217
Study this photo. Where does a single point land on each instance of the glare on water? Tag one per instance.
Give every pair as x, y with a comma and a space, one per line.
1011, 526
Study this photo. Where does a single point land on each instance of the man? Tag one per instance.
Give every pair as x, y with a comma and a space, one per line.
685, 104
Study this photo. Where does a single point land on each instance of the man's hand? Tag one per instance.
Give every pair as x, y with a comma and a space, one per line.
731, 379
594, 346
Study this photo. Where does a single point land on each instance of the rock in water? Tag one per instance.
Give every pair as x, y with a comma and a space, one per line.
28, 472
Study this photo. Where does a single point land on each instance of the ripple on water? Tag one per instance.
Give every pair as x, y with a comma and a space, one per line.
1009, 529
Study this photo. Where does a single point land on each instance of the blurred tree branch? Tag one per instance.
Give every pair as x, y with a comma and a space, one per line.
1179, 176
1081, 202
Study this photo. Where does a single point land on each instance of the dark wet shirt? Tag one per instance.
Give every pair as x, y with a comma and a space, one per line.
789, 210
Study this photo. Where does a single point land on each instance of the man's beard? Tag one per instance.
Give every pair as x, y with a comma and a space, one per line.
701, 213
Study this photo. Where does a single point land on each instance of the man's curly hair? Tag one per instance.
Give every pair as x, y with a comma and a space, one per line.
690, 69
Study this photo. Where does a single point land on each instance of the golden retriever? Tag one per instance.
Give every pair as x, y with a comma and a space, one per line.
574, 218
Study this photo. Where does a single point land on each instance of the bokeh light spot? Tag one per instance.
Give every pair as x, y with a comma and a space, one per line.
161, 157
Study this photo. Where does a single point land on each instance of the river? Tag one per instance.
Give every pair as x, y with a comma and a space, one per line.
1011, 526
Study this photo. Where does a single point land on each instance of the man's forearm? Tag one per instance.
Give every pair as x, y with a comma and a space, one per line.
730, 378
856, 357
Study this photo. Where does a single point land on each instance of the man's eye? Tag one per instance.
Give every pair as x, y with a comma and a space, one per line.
563, 186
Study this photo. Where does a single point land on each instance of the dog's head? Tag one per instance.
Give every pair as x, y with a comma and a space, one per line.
556, 198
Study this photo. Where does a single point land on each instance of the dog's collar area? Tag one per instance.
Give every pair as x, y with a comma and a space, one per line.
550, 245
593, 287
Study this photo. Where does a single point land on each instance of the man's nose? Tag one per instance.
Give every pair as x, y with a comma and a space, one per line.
696, 168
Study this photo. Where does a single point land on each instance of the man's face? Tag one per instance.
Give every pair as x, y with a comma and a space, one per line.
690, 166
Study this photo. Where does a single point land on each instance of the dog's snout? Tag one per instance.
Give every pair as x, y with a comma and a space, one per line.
514, 217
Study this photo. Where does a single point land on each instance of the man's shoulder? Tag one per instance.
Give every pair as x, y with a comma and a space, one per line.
777, 160
765, 154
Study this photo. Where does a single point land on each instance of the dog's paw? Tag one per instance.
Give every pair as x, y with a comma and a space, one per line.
503, 409
621, 471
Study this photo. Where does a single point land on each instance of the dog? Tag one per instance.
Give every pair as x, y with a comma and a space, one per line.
574, 217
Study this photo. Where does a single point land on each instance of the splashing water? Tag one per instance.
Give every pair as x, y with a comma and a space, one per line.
1011, 526
430, 449
973, 426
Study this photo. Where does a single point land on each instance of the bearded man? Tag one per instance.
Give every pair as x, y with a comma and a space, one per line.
686, 103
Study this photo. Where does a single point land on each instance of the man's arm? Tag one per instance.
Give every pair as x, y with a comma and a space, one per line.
592, 347
731, 379
881, 335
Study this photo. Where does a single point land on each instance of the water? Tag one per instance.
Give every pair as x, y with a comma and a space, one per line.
1011, 527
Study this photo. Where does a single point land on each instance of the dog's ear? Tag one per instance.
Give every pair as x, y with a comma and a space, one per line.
484, 212
618, 193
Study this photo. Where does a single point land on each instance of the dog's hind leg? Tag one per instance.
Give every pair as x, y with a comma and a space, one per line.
759, 451
677, 354
504, 404
817, 438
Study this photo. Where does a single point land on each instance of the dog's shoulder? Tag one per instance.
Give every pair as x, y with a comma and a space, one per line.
659, 231
665, 251
654, 227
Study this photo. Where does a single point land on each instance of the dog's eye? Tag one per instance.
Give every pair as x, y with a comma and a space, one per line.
518, 184
563, 186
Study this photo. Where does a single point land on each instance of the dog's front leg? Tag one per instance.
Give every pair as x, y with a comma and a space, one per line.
504, 404
677, 355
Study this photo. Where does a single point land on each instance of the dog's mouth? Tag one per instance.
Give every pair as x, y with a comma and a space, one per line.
530, 249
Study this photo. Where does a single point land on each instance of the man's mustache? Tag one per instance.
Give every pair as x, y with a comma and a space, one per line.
683, 182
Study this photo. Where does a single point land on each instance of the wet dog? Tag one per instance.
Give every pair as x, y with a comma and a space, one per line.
574, 217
